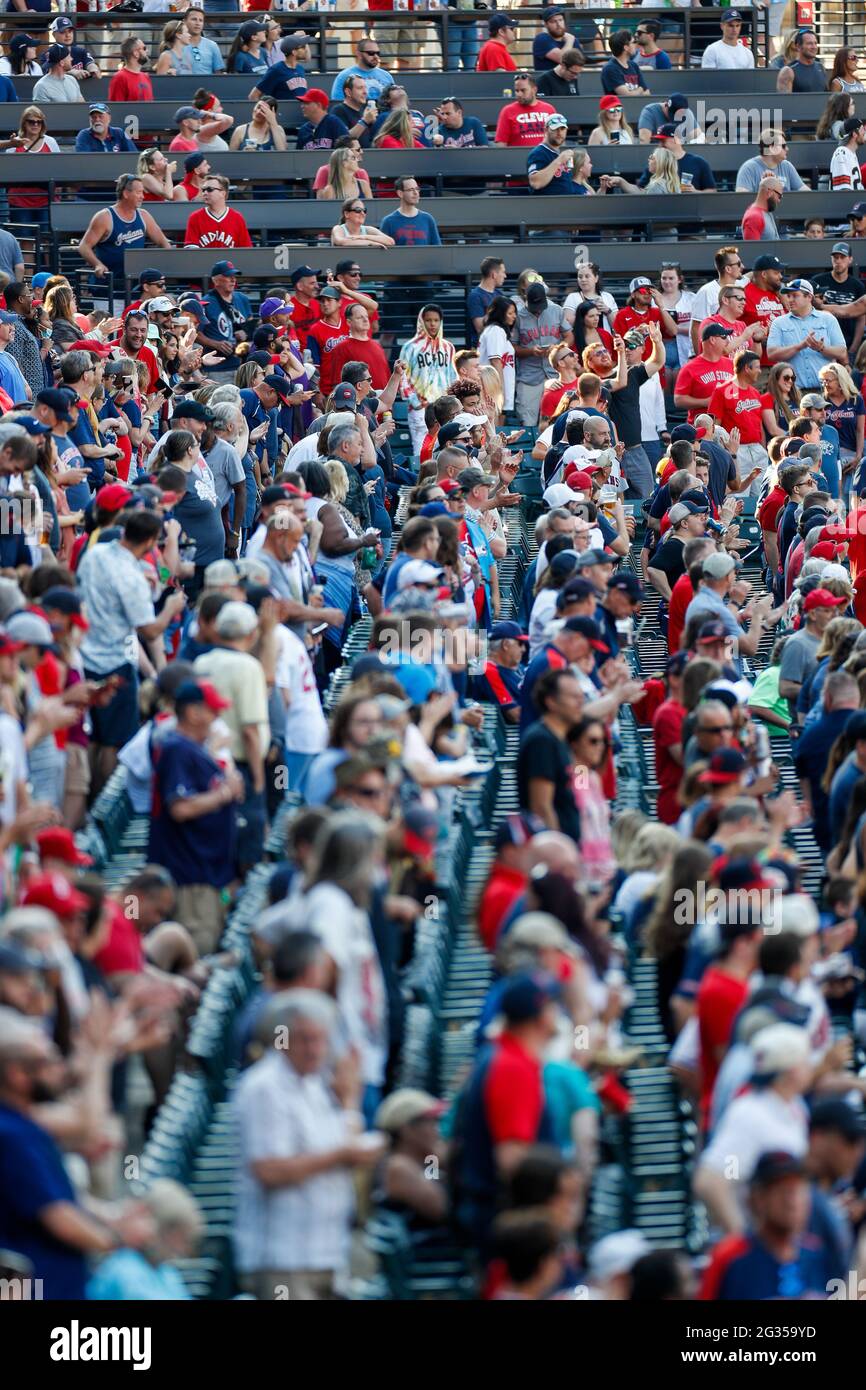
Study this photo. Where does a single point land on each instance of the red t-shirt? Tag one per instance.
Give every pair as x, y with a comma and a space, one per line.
768, 512
193, 192
522, 125
503, 888
203, 229
130, 86
494, 57
761, 306
699, 378
720, 998
736, 407
363, 350
372, 314
629, 317
303, 317
681, 596
326, 337
123, 950
667, 730
28, 197
513, 1093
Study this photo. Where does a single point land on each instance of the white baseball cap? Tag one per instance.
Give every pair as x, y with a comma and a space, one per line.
417, 572
617, 1254
778, 1048
558, 495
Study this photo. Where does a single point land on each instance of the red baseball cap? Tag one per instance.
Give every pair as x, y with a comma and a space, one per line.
826, 550
52, 891
821, 598
90, 345
59, 843
8, 647
834, 533
113, 497
610, 103
316, 94
577, 479
450, 485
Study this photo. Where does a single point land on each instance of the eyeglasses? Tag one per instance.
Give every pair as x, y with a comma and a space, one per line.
366, 381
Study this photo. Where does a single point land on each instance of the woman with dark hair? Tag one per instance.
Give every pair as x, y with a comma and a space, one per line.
495, 346
843, 77
589, 742
335, 563
587, 328
245, 54
667, 932
590, 286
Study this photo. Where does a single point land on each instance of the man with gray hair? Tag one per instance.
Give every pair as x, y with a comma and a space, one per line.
225, 464
712, 602
81, 375
300, 1138
346, 446
240, 678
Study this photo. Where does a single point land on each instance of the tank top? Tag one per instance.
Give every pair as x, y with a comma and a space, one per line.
344, 562
808, 77
248, 144
846, 86
124, 236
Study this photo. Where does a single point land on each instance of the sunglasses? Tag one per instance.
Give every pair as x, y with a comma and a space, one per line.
372, 52
718, 728
369, 792
357, 209
212, 188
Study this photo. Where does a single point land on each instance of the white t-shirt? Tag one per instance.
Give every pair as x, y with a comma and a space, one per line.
494, 342
753, 1124
727, 55
574, 301
346, 936
651, 399
706, 301
306, 728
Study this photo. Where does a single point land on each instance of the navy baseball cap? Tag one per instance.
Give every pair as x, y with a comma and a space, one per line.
500, 632
774, 1166
715, 330
667, 131
627, 583
518, 829
193, 160
574, 590
526, 996
497, 22
344, 395
588, 628
726, 765
56, 400
224, 268
281, 385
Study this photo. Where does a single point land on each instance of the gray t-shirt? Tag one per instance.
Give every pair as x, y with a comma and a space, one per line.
750, 174
50, 88
538, 330
225, 464
652, 117
798, 658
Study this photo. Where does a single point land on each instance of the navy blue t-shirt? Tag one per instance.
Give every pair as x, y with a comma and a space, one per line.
563, 182
499, 685
466, 136
193, 851
322, 136
32, 1177
742, 1268
420, 230
282, 82
614, 75
702, 177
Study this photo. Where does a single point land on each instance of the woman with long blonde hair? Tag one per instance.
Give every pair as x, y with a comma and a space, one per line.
342, 177
60, 307
156, 173
173, 50
612, 128
397, 133
664, 173
846, 412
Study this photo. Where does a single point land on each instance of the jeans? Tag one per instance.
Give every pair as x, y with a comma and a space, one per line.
296, 768
251, 823
654, 450
638, 471
462, 43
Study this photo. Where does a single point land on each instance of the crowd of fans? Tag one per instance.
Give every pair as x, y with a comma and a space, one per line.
201, 497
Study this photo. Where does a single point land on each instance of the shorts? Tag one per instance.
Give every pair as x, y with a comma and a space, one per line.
202, 909
77, 781
115, 725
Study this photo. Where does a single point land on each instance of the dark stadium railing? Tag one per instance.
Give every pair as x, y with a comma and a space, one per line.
427, 86
743, 114
436, 168
685, 32
524, 217
405, 263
